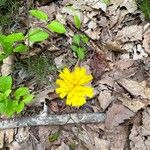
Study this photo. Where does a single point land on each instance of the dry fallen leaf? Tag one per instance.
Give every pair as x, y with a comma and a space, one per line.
133, 104
130, 33
146, 42
117, 137
98, 64
116, 115
129, 4
2, 132
139, 136
135, 88
63, 146
105, 98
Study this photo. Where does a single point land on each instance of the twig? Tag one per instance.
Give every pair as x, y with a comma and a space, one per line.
53, 120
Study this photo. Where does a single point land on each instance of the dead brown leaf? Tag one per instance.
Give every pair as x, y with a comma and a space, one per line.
105, 98
116, 115
135, 88
139, 137
130, 33
146, 42
133, 104
98, 63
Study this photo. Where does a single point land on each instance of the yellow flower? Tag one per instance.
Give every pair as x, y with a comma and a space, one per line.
74, 86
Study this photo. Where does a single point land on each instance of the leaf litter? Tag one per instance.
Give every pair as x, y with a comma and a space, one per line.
118, 61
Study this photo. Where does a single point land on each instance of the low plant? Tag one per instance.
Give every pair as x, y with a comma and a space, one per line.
15, 42
12, 101
144, 6
11, 43
78, 46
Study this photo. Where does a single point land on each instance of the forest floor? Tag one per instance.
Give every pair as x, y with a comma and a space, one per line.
117, 56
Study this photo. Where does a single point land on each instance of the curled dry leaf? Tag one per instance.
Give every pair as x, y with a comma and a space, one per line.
6, 68
2, 136
146, 42
115, 46
116, 115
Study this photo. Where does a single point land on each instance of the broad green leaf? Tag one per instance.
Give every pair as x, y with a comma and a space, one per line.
77, 22
14, 37
20, 48
2, 96
76, 39
54, 136
74, 48
21, 92
5, 83
37, 35
39, 14
57, 27
20, 107
3, 56
7, 93
81, 53
27, 99
84, 38
6, 46
11, 108
2, 107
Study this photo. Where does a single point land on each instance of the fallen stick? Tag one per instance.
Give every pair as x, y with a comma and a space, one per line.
53, 120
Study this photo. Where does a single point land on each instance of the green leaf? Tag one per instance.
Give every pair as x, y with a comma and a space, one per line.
57, 27
80, 53
14, 37
76, 39
84, 38
27, 99
11, 108
7, 93
21, 92
2, 96
20, 48
144, 6
6, 46
2, 107
54, 136
105, 1
39, 14
20, 107
74, 48
77, 22
37, 35
5, 83
3, 56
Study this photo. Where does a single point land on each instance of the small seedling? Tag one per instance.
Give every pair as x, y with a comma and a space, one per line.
12, 102
77, 21
53, 137
78, 45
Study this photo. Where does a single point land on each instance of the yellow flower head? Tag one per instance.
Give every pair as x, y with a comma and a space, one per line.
74, 86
